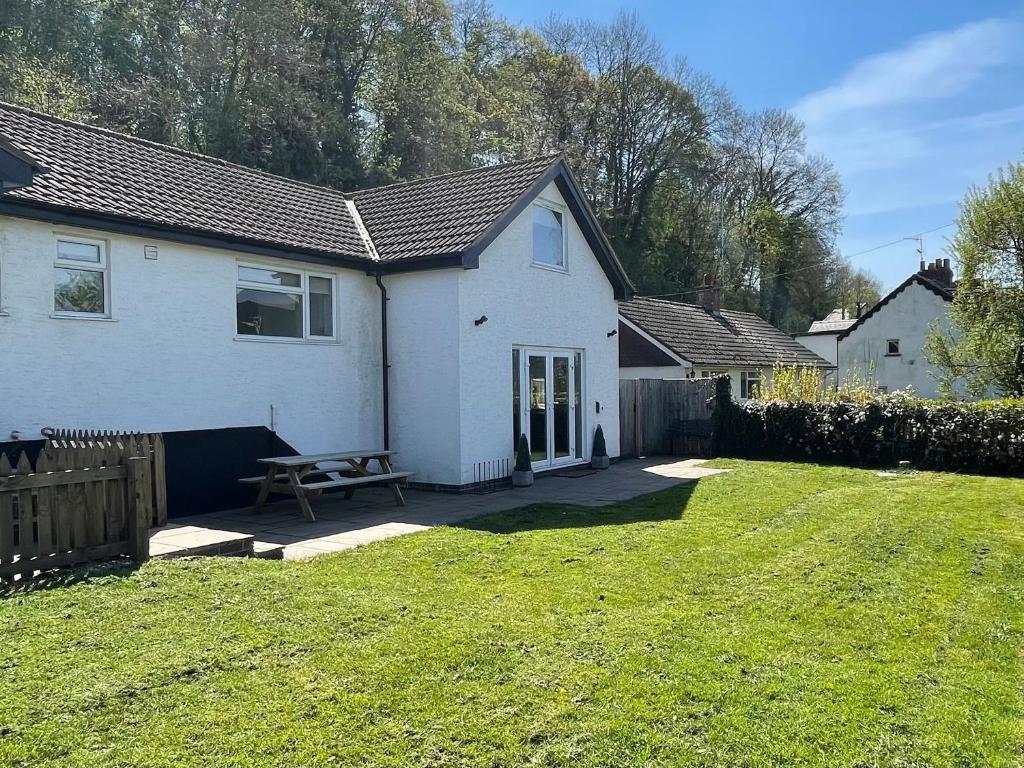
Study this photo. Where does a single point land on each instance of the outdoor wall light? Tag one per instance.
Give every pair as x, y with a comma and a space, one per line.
612, 333
481, 320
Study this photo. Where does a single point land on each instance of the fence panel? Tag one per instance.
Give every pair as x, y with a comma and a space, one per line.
105, 446
73, 507
665, 416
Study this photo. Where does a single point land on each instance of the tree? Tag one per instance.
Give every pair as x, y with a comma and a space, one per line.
985, 347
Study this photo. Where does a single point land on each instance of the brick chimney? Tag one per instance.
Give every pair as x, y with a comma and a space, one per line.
939, 272
709, 296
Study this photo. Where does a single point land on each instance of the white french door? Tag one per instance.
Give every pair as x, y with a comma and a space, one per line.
547, 403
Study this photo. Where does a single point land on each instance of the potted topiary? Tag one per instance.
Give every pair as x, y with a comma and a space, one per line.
522, 475
599, 457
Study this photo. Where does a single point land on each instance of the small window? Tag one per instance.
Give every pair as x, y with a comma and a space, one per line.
80, 285
548, 237
892, 347
284, 304
882, 390
750, 384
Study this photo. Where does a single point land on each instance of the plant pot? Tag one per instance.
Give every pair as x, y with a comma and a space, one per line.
522, 479
600, 462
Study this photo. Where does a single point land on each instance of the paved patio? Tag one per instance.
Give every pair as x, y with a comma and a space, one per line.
371, 515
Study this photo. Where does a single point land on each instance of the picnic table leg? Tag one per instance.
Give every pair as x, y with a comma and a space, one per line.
261, 497
300, 495
393, 484
361, 469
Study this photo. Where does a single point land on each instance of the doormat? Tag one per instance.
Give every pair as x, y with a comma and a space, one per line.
572, 473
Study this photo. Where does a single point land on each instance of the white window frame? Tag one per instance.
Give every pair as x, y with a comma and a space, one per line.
561, 211
301, 290
745, 378
897, 353
103, 266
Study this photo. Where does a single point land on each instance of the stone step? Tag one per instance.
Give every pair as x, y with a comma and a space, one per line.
266, 550
172, 540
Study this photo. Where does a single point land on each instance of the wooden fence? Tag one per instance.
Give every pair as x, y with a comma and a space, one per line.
667, 417
74, 507
73, 447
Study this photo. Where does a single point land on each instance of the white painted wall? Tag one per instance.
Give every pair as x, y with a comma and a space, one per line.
907, 317
822, 344
168, 359
527, 305
424, 351
654, 372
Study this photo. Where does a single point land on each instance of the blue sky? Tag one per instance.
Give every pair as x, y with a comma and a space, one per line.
912, 101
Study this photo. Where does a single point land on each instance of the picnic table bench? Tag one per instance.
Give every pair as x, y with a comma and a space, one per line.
285, 474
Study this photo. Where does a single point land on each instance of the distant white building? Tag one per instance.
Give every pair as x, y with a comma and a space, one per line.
886, 344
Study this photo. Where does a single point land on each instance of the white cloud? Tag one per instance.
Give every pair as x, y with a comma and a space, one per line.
930, 67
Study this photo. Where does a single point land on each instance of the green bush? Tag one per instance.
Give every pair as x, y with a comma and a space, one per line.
986, 438
523, 461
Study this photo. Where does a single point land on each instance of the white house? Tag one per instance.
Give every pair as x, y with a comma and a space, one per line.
887, 342
661, 339
822, 338
147, 288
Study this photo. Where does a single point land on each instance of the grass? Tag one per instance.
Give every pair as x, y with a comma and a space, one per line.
781, 614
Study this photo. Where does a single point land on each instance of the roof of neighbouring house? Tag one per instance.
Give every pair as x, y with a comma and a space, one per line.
835, 321
732, 339
946, 294
100, 178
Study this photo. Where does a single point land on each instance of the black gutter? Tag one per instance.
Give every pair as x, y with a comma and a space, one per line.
385, 366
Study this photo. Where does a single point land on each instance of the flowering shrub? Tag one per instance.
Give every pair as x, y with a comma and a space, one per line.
985, 437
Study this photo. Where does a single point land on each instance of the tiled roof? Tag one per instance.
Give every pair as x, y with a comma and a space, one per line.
444, 215
109, 174
834, 322
734, 339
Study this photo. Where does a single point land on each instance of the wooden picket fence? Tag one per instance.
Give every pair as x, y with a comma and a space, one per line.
74, 506
78, 447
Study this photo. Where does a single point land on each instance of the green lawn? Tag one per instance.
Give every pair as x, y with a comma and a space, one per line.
781, 614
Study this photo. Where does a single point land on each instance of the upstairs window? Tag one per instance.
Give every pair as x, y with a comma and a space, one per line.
284, 304
80, 279
892, 347
548, 237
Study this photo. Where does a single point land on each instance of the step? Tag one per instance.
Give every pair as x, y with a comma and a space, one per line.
172, 541
266, 550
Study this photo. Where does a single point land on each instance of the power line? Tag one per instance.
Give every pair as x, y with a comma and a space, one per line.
816, 266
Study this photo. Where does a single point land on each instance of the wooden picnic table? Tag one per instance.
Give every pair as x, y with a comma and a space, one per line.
285, 474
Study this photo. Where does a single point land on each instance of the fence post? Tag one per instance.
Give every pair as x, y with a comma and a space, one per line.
140, 506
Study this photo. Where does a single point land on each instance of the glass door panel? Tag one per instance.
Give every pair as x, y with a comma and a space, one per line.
537, 381
561, 407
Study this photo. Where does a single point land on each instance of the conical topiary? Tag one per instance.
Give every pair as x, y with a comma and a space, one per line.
523, 462
600, 449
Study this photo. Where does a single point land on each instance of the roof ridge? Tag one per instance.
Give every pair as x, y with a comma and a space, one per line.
463, 172
166, 147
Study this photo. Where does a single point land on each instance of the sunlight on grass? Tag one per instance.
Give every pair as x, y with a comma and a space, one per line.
779, 614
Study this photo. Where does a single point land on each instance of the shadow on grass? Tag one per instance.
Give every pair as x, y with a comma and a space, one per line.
68, 577
654, 507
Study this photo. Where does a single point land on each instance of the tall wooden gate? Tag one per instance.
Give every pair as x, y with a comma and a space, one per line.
665, 416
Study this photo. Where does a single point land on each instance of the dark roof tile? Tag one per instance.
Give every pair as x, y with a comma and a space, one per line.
734, 339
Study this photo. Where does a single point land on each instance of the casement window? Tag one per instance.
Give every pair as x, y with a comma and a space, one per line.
549, 242
750, 384
892, 347
81, 278
276, 303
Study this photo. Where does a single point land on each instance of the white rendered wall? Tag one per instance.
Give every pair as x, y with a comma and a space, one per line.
527, 305
907, 317
423, 347
823, 345
654, 372
168, 359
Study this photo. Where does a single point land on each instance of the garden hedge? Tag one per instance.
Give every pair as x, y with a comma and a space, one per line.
985, 438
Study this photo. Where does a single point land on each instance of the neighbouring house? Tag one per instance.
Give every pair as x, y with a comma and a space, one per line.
661, 339
822, 338
143, 287
885, 345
